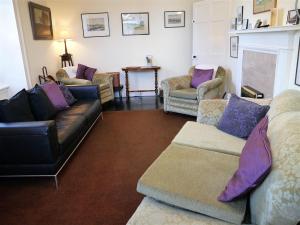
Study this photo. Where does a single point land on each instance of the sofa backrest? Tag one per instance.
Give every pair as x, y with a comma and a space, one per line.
277, 200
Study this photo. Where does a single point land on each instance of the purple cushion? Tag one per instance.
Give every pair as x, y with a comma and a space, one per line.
254, 166
89, 73
200, 76
241, 116
55, 95
80, 71
67, 94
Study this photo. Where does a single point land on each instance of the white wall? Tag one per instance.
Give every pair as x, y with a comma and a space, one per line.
11, 63
171, 48
248, 14
36, 53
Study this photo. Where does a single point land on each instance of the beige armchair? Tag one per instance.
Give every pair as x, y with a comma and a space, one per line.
104, 80
180, 97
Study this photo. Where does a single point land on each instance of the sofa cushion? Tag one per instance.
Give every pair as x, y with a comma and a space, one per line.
16, 109
41, 106
255, 164
200, 76
69, 128
209, 137
241, 116
67, 94
55, 95
187, 93
192, 178
152, 212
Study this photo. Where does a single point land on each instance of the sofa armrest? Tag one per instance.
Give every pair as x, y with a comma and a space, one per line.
210, 111
209, 89
61, 74
101, 78
90, 92
176, 83
28, 143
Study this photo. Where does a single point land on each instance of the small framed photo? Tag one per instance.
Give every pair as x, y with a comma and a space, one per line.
233, 24
41, 22
245, 24
174, 19
297, 75
95, 25
292, 17
234, 46
135, 24
240, 13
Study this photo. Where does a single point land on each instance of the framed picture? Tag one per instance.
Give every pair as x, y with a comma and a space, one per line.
234, 46
245, 24
297, 75
95, 24
233, 24
260, 6
174, 19
135, 23
41, 22
292, 17
240, 12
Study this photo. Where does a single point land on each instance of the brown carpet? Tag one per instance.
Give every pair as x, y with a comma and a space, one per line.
98, 185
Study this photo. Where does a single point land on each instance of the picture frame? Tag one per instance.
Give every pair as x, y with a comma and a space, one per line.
245, 24
297, 74
41, 21
240, 14
95, 24
260, 6
292, 17
135, 23
174, 19
234, 46
233, 24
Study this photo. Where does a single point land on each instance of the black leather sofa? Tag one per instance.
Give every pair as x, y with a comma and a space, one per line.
41, 148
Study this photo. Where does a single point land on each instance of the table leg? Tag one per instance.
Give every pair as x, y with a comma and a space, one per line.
127, 84
156, 83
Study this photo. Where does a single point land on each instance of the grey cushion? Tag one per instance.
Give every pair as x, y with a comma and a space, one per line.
187, 93
192, 178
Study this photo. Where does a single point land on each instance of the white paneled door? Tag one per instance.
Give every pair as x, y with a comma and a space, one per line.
211, 22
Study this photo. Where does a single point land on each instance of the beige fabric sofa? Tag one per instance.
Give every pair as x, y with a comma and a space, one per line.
188, 176
179, 97
104, 80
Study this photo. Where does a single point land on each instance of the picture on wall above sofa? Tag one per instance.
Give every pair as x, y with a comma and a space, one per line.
95, 25
41, 22
135, 23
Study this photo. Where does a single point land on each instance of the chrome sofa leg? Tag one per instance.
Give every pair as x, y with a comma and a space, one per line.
101, 116
56, 182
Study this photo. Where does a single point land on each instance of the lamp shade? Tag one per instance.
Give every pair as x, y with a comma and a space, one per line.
64, 35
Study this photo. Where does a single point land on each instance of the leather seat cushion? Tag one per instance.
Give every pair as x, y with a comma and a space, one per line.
87, 109
187, 93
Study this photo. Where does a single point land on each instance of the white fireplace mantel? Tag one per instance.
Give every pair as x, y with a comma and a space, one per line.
281, 41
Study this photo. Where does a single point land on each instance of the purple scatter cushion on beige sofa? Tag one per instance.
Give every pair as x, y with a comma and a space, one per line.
254, 165
89, 73
55, 95
241, 116
80, 71
200, 76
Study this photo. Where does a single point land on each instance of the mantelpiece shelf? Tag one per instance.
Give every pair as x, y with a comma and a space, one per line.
268, 30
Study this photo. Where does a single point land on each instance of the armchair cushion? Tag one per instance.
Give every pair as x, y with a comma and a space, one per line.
200, 76
187, 93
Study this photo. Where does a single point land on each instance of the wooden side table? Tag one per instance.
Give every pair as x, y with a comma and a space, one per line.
141, 69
